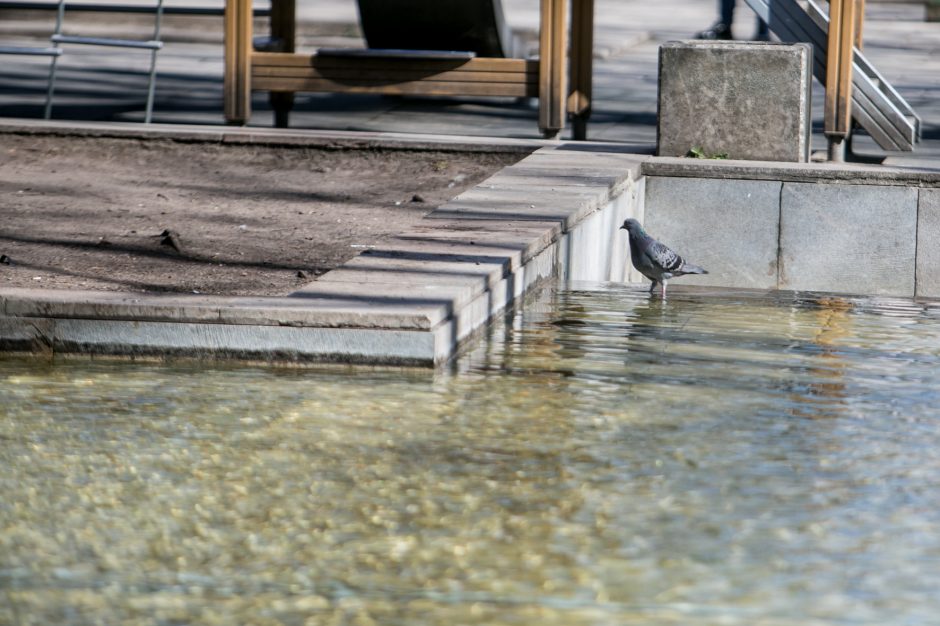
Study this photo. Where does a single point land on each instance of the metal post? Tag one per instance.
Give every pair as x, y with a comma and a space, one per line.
151, 87
53, 65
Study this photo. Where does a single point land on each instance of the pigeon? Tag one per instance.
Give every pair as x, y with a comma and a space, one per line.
654, 260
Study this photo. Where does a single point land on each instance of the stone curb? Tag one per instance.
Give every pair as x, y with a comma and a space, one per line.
412, 301
855, 174
236, 135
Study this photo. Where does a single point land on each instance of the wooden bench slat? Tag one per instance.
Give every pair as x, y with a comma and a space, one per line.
393, 76
418, 87
286, 59
387, 53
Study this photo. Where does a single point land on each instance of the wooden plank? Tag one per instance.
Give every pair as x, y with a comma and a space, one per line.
483, 64
832, 66
582, 52
397, 53
421, 87
581, 65
846, 53
393, 76
237, 78
553, 49
896, 107
838, 114
859, 23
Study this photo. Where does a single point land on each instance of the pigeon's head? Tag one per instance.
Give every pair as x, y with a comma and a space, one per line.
633, 227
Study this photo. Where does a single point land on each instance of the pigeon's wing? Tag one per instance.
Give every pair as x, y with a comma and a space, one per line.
663, 257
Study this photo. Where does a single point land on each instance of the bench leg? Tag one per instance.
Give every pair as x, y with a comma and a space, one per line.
282, 102
582, 59
553, 48
283, 30
237, 80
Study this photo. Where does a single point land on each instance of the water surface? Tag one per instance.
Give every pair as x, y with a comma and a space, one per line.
602, 458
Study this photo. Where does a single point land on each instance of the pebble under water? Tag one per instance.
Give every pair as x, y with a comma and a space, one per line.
602, 457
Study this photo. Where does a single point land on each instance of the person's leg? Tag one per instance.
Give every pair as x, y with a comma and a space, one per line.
722, 28
726, 12
763, 32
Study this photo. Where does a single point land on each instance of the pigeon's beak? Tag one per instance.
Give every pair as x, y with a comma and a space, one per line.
623, 228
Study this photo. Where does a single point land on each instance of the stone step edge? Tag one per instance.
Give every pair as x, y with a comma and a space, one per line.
33, 319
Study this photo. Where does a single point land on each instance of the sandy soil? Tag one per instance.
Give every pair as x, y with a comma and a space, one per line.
132, 215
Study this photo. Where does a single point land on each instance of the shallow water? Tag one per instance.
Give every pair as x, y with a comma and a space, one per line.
604, 458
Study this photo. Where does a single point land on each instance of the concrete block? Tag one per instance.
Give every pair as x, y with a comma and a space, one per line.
334, 308
828, 172
528, 237
569, 165
928, 244
565, 206
27, 335
749, 100
244, 342
443, 249
436, 300
729, 227
406, 267
856, 239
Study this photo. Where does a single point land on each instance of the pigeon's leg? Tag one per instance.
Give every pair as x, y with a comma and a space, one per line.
653, 286
663, 290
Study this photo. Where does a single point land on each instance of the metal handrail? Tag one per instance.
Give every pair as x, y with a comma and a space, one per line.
119, 8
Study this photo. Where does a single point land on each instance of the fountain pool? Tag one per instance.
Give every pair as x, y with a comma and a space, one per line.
723, 457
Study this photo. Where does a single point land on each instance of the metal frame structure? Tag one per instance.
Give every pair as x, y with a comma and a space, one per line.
867, 97
60, 7
51, 51
153, 45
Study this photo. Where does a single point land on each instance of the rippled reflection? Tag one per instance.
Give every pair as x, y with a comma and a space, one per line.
603, 458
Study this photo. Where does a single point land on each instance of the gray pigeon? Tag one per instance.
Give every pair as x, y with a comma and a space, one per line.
654, 260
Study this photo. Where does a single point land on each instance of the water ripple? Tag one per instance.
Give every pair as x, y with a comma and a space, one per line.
723, 457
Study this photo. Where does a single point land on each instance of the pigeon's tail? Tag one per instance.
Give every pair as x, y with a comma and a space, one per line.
688, 268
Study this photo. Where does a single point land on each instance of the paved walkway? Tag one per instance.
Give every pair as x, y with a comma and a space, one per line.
96, 86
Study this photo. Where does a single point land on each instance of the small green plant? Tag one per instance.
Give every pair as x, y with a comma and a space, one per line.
697, 152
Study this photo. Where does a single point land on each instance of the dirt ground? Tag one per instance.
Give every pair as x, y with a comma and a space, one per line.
164, 216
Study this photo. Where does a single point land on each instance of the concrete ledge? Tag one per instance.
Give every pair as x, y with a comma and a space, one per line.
411, 301
855, 174
554, 214
339, 311
283, 137
239, 341
928, 243
816, 227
